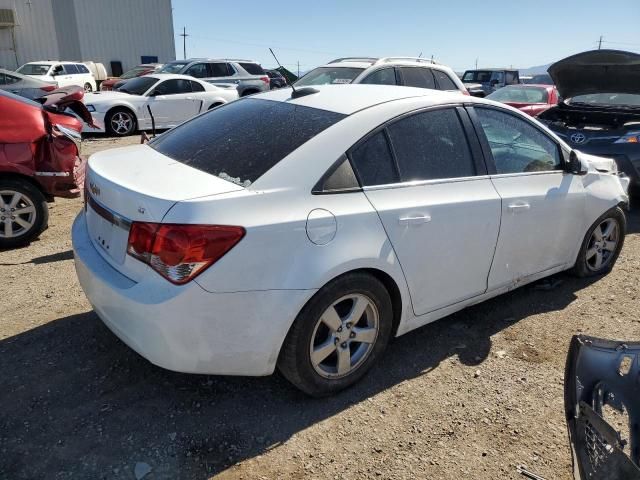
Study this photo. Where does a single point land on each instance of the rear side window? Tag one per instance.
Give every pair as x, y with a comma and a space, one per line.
71, 69
384, 76
373, 162
252, 68
82, 68
431, 145
417, 77
511, 78
219, 70
196, 87
242, 140
444, 82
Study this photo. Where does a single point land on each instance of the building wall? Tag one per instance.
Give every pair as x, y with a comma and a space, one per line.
89, 30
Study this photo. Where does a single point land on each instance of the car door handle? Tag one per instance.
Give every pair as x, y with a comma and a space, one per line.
519, 206
414, 220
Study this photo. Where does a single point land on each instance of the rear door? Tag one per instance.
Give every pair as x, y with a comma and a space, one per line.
438, 206
173, 103
543, 208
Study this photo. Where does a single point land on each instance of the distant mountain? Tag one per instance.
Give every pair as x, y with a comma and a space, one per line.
534, 70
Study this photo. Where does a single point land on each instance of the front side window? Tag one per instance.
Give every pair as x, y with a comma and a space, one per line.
173, 87
431, 145
384, 76
444, 82
173, 67
373, 162
242, 140
199, 70
517, 146
418, 77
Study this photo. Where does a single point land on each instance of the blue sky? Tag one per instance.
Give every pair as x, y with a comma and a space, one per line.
455, 32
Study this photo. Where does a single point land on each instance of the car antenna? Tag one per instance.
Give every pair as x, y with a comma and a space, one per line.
296, 92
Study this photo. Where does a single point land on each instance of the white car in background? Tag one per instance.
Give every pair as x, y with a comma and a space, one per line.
304, 229
62, 73
402, 71
159, 100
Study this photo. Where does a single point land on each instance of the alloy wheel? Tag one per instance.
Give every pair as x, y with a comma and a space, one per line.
122, 123
344, 336
17, 214
602, 245
88, 88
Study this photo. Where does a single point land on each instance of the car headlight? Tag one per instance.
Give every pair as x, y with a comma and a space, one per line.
631, 137
91, 108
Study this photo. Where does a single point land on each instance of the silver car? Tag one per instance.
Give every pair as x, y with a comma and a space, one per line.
246, 74
24, 86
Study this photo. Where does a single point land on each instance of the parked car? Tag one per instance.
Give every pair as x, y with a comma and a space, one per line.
159, 100
405, 71
24, 86
248, 75
113, 83
276, 79
531, 99
600, 113
293, 235
485, 81
63, 73
39, 160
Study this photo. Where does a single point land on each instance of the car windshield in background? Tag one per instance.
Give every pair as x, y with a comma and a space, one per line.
138, 86
173, 67
329, 76
481, 76
608, 99
134, 72
34, 69
242, 140
520, 95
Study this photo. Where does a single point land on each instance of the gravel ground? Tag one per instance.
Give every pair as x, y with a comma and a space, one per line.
471, 396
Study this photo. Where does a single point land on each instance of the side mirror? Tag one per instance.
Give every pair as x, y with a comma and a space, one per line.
576, 165
153, 93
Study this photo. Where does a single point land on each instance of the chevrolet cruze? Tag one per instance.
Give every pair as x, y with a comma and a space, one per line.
303, 229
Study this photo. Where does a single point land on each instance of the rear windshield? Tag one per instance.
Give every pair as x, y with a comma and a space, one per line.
242, 140
329, 75
34, 69
252, 68
520, 95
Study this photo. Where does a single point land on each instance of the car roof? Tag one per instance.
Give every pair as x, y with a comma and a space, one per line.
348, 99
53, 62
191, 60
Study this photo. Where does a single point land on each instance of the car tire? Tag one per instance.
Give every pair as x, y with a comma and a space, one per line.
29, 217
600, 247
340, 360
120, 122
88, 88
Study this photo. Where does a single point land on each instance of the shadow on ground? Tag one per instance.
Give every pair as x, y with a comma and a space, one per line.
78, 403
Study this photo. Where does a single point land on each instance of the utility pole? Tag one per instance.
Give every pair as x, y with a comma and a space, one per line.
298, 68
600, 43
184, 36
476, 63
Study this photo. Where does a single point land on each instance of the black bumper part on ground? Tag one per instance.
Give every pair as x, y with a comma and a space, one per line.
603, 376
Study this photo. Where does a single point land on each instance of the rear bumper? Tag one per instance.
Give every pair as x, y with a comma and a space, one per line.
64, 184
185, 328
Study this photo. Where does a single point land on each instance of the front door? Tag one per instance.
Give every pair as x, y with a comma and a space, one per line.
440, 212
172, 103
543, 207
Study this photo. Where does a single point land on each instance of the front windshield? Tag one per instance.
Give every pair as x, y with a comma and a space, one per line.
134, 72
34, 69
608, 99
173, 67
481, 76
520, 95
329, 76
138, 86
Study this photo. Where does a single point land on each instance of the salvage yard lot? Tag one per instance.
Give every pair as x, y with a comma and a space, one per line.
471, 396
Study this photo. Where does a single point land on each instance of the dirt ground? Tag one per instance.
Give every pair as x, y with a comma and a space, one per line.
471, 396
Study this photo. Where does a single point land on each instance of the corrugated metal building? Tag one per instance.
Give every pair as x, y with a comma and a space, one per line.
129, 31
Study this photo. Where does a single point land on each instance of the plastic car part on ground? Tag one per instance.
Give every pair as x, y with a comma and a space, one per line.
601, 385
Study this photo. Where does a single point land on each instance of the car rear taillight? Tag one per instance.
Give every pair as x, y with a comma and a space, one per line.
265, 79
181, 252
49, 88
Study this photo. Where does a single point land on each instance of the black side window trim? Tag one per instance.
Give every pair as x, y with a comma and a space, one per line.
484, 142
318, 188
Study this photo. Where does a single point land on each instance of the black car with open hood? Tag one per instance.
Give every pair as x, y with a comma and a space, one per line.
600, 113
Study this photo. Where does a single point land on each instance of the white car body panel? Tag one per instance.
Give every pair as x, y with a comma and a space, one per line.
168, 110
233, 318
66, 79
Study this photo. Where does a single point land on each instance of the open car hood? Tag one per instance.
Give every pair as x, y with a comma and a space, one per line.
602, 407
597, 71
67, 97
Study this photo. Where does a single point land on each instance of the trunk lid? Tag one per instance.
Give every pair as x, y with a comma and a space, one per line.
597, 71
137, 183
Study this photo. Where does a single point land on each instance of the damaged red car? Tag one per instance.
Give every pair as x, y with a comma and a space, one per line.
39, 159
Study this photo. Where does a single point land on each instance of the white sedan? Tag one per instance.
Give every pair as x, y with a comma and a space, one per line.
158, 100
303, 231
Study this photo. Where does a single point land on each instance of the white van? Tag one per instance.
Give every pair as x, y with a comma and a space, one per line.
63, 73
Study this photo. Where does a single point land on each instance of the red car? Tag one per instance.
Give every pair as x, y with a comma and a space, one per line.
531, 99
140, 70
39, 159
